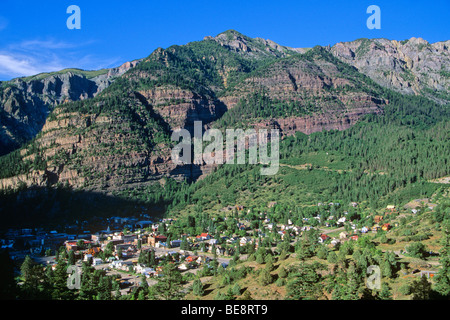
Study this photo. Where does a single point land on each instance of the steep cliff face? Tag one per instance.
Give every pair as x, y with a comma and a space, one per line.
26, 102
327, 95
413, 66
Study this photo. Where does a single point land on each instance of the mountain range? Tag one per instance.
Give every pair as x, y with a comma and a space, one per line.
108, 131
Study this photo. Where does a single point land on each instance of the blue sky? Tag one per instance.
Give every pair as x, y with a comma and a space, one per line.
34, 37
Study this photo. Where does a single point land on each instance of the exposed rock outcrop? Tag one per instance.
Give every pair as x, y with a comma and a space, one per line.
412, 66
26, 102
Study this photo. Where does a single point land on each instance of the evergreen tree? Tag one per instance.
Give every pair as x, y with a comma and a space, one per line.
442, 278
26, 267
169, 286
421, 289
265, 278
305, 285
71, 258
197, 288
385, 293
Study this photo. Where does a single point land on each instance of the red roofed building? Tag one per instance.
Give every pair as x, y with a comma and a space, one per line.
191, 258
152, 240
323, 238
203, 236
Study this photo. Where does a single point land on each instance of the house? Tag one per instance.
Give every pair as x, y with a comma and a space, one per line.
377, 219
220, 251
191, 258
183, 267
87, 257
150, 273
241, 226
335, 242
97, 237
175, 243
390, 208
271, 204
93, 251
203, 236
341, 220
375, 228
343, 235
129, 237
354, 237
364, 229
245, 240
96, 261
232, 240
323, 238
153, 240
386, 227
71, 245
120, 264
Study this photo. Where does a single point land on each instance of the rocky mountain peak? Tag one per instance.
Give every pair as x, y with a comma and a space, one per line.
412, 66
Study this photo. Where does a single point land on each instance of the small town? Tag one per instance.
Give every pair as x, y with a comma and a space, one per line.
135, 248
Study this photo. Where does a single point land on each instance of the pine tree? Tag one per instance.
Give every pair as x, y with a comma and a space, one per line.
197, 288
236, 290
282, 273
421, 289
442, 278
169, 286
71, 258
265, 278
26, 267
385, 293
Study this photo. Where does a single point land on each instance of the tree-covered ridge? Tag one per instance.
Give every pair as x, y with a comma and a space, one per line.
383, 158
131, 127
211, 69
197, 66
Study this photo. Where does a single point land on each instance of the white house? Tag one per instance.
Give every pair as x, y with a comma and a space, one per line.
335, 241
343, 235
364, 229
183, 267
245, 240
87, 257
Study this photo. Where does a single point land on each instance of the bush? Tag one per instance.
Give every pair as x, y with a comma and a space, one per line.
416, 250
405, 289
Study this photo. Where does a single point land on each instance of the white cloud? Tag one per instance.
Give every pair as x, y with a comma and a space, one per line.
16, 67
31, 57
